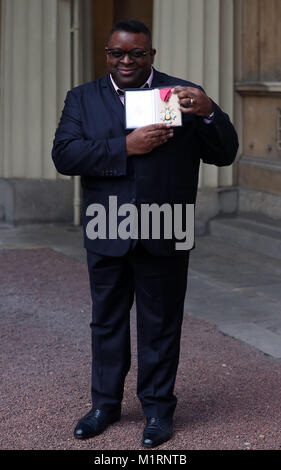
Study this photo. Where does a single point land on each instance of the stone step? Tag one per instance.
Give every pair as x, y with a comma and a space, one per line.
254, 233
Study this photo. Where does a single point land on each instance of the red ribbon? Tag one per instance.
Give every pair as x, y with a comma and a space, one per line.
165, 94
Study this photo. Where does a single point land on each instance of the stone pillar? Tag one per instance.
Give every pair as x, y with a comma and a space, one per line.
194, 40
35, 75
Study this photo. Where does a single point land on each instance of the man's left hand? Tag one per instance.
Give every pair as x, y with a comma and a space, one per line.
196, 100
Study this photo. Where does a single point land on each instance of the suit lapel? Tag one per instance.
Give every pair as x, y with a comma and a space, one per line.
158, 79
112, 99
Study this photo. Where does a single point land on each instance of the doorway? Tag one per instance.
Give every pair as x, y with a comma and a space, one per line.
105, 14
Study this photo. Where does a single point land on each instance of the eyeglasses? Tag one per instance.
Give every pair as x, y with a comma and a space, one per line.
134, 54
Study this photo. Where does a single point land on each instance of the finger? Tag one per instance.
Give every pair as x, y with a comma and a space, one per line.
157, 127
159, 140
178, 89
187, 101
151, 128
161, 132
185, 95
189, 110
186, 90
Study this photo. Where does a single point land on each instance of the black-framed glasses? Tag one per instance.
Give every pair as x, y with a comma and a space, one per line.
134, 54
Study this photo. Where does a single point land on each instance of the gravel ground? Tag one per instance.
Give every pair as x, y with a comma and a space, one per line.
228, 392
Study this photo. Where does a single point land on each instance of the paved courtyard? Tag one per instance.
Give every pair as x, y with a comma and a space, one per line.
229, 376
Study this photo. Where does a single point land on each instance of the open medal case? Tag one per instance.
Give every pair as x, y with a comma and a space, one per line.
145, 106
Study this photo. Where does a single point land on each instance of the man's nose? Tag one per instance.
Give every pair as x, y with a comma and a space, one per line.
127, 59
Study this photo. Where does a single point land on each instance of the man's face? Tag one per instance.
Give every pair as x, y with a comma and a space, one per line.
130, 72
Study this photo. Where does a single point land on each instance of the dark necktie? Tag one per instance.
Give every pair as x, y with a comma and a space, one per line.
121, 95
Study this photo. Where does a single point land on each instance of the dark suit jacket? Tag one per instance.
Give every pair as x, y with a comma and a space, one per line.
91, 141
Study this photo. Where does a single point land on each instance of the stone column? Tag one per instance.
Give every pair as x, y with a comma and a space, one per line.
194, 40
35, 75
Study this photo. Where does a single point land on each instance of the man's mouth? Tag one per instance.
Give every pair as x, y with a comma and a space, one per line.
126, 71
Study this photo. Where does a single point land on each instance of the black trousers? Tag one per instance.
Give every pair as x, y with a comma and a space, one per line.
159, 285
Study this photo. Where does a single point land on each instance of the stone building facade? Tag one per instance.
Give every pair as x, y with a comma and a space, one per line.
230, 47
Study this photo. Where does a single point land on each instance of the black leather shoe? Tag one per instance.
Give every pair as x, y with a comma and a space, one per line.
95, 422
157, 431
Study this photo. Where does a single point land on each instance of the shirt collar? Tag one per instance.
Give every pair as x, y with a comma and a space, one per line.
148, 82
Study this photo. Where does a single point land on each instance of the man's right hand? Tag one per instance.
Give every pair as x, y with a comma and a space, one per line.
146, 138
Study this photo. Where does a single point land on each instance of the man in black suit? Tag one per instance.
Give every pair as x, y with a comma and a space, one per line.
154, 164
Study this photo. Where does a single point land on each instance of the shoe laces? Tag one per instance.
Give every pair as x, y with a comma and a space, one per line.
152, 423
92, 416
155, 423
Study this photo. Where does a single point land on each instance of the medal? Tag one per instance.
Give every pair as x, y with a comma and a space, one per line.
167, 114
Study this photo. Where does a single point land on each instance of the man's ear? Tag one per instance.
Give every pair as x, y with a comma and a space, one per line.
153, 52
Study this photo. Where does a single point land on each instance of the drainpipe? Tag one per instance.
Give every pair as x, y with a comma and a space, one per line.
75, 42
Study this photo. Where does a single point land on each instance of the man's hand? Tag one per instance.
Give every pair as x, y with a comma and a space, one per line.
146, 138
196, 100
